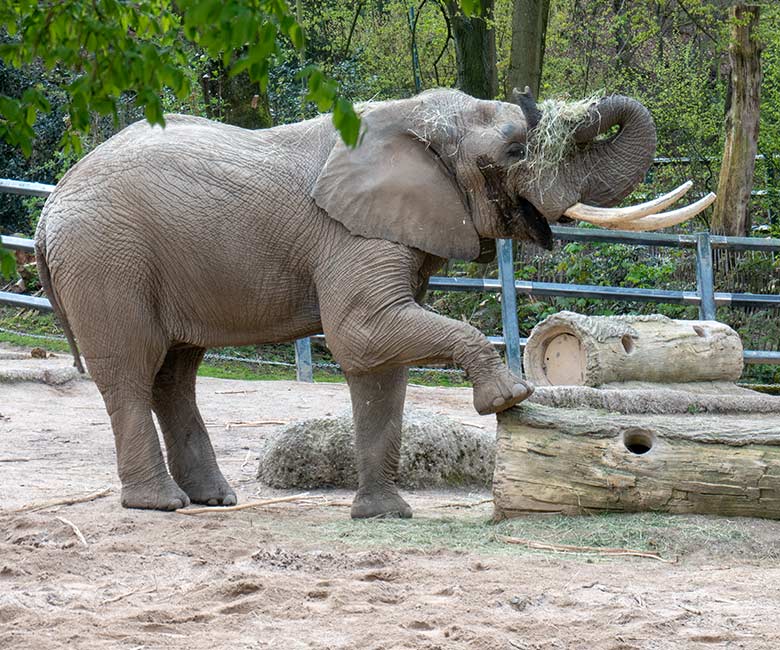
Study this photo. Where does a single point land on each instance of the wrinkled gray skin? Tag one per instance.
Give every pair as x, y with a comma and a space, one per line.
162, 243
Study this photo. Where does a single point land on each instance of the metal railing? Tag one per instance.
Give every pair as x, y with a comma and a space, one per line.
705, 296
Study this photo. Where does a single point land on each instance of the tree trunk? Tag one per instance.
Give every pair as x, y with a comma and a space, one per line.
578, 461
529, 28
475, 50
731, 213
568, 349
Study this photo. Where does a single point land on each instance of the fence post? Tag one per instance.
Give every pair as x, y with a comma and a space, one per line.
506, 274
705, 282
303, 371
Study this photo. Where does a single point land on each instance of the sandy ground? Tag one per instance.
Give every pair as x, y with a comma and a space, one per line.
295, 576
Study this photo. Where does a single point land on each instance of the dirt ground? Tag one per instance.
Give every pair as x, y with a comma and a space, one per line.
302, 575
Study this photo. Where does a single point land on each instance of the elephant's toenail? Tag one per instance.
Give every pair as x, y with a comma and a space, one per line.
519, 389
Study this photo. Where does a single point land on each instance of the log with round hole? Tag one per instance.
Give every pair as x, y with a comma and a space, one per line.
572, 349
577, 460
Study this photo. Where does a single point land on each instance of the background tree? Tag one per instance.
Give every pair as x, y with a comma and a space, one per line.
475, 49
731, 214
529, 32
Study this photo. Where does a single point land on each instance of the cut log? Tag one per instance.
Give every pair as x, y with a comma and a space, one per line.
582, 461
571, 349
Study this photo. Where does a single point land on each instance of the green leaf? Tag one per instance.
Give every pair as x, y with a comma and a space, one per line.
7, 264
346, 122
471, 7
154, 111
296, 36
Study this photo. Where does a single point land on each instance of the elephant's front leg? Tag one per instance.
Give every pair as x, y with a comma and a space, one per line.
377, 409
373, 323
402, 333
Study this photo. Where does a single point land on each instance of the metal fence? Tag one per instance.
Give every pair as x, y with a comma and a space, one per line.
704, 297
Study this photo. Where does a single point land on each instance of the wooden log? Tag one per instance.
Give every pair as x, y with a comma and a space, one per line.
571, 349
579, 461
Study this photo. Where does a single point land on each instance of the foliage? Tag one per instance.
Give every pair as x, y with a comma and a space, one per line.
111, 47
7, 264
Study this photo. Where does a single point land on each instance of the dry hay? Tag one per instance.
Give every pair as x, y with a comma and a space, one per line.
436, 451
553, 137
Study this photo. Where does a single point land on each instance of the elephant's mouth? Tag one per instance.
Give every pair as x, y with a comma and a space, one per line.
518, 218
524, 221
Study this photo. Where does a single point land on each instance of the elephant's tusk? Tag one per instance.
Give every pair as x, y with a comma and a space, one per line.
666, 219
615, 216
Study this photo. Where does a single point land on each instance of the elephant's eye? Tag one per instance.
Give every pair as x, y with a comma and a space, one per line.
516, 150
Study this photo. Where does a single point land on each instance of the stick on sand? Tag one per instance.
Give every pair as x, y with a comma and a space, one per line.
243, 506
42, 505
566, 548
74, 528
259, 423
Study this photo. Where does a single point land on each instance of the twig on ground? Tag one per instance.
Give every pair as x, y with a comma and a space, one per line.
74, 528
243, 506
18, 460
472, 504
471, 424
567, 548
116, 599
246, 461
233, 392
32, 507
259, 423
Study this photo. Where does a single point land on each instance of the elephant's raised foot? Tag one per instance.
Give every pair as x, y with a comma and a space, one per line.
385, 505
155, 495
500, 393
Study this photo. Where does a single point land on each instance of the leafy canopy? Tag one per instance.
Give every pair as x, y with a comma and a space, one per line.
111, 47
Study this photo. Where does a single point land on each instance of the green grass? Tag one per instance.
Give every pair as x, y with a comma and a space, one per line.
31, 342
254, 372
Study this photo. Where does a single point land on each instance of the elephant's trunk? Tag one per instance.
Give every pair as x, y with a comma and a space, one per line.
613, 166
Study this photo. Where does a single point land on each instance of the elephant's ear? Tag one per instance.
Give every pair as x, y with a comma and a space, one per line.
394, 186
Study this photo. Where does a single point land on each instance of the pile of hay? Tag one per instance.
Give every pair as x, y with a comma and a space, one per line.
436, 451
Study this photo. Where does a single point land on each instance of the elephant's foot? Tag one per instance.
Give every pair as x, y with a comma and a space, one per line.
500, 392
156, 494
211, 490
387, 505
205, 485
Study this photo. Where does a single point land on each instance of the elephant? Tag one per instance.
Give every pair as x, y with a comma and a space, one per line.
164, 242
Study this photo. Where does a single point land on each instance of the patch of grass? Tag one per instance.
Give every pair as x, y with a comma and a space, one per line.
466, 533
29, 321
256, 372
31, 342
671, 536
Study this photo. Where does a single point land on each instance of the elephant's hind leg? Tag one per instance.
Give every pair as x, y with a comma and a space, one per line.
191, 458
125, 383
377, 409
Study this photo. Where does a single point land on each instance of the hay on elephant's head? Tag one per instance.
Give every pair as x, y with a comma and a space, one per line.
553, 137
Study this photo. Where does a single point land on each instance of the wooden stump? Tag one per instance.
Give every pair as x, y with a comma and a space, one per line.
578, 461
571, 349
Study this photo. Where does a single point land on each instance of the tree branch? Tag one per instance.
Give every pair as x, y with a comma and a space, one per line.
358, 9
696, 22
443, 10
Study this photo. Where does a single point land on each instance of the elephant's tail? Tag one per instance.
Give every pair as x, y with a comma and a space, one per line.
43, 272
